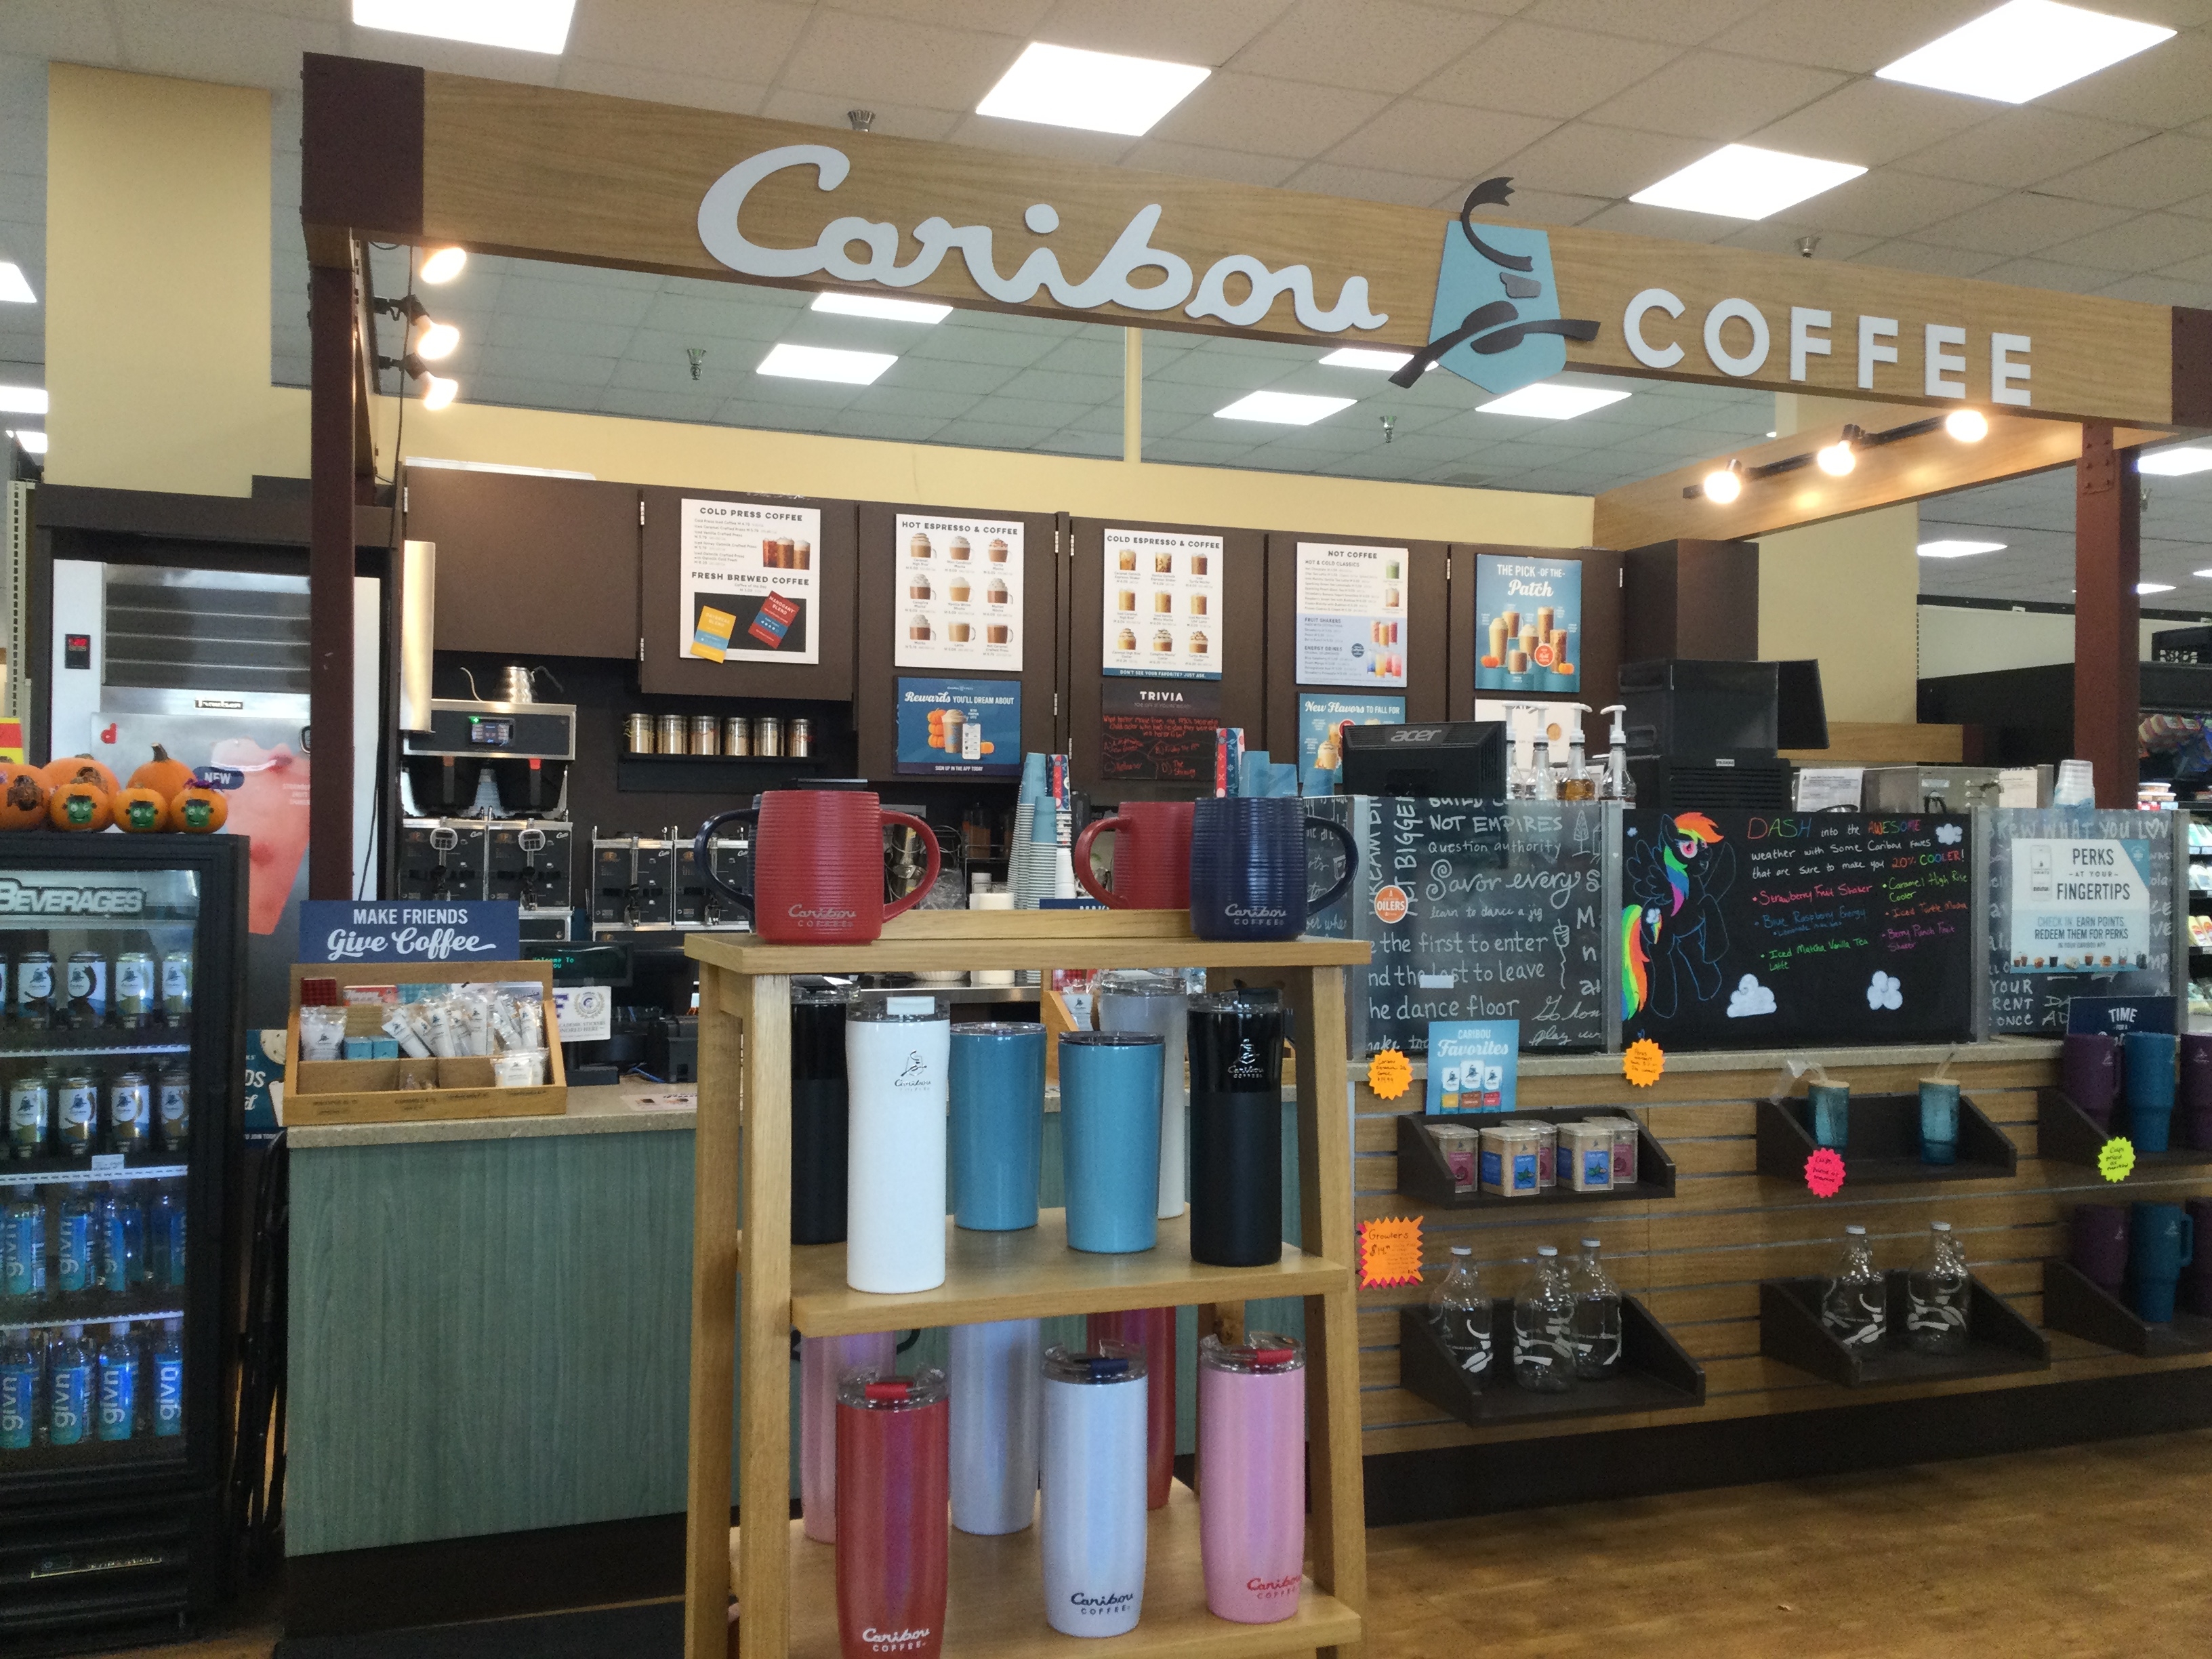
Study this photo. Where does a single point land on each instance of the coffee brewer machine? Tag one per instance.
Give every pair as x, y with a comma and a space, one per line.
484, 800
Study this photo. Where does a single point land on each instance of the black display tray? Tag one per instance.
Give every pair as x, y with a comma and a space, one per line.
714, 774
1655, 1374
2066, 1133
1999, 1341
1884, 1148
2076, 1305
1423, 1173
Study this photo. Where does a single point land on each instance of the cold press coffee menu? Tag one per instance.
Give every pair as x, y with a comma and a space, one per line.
1757, 930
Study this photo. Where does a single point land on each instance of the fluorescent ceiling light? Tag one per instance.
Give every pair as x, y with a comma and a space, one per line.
15, 287
892, 311
1368, 357
524, 24
799, 363
1951, 549
1284, 407
1551, 402
1097, 91
1741, 181
2174, 463
437, 464
2154, 588
35, 443
22, 400
2023, 50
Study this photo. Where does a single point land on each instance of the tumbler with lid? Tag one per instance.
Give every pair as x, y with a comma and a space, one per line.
897, 1049
822, 1360
1092, 1512
997, 1124
995, 1381
1236, 1131
891, 1513
1144, 999
818, 1112
1251, 1475
1110, 1139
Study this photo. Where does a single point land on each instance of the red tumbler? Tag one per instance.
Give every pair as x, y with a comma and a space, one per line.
1153, 1329
818, 866
893, 1496
1152, 856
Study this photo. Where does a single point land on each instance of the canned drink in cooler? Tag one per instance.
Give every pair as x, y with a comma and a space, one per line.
177, 985
30, 1114
130, 1111
675, 735
87, 988
134, 988
637, 735
34, 989
706, 735
802, 739
76, 1114
174, 1105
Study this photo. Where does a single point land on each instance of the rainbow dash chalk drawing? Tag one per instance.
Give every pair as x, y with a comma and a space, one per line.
1673, 934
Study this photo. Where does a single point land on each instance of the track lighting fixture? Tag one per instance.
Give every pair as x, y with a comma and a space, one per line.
1837, 460
437, 341
438, 390
1725, 484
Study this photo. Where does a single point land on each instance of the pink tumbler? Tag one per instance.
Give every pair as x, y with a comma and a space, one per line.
1154, 1330
1252, 1476
822, 1361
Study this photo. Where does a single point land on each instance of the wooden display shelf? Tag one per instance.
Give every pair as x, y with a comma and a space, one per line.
994, 1600
1032, 1273
2076, 1305
1655, 1374
1999, 1340
1884, 1148
1424, 1175
2067, 1134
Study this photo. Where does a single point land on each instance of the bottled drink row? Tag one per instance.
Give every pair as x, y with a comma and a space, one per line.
94, 989
1938, 1296
73, 1108
86, 1248
69, 1386
1566, 1323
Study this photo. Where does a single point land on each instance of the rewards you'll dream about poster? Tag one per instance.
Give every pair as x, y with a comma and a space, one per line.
1352, 614
1527, 625
1163, 605
960, 593
749, 582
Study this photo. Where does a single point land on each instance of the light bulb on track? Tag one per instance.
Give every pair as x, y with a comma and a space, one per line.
1836, 459
1968, 426
1723, 485
437, 341
438, 391
444, 263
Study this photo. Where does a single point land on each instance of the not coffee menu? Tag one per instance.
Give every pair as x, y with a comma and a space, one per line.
1756, 930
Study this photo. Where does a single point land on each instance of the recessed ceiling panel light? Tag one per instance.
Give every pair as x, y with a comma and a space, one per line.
1097, 91
15, 287
2022, 50
1368, 357
1951, 549
2154, 588
524, 24
2205, 574
799, 363
22, 400
1551, 402
2174, 463
892, 311
1284, 407
35, 443
1741, 181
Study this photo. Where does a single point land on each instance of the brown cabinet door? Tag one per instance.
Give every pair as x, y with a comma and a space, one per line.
885, 605
665, 667
530, 566
1427, 630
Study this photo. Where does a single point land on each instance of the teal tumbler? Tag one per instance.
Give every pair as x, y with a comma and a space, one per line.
997, 1085
1110, 1139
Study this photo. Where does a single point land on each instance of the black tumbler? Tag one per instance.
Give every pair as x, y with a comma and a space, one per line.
1235, 1131
819, 1106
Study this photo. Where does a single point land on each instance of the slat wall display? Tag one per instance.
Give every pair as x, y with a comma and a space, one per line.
2036, 1002
1599, 683
883, 605
1241, 638
1696, 1261
666, 666
1427, 638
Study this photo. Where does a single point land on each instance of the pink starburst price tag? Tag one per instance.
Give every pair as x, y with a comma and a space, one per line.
1824, 1173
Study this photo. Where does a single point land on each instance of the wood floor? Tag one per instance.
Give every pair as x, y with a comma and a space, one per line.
2077, 1553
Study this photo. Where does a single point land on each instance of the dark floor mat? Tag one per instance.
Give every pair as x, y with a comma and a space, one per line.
652, 1630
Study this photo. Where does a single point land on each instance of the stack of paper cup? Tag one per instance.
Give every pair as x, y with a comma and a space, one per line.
991, 902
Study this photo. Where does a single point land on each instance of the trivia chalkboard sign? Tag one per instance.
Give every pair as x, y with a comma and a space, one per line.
1478, 910
1159, 732
1762, 930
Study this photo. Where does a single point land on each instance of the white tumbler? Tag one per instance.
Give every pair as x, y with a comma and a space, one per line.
822, 1361
1140, 1000
995, 1380
1092, 1531
897, 1051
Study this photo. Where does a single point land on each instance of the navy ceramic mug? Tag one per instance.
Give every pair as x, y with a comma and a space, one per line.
1248, 868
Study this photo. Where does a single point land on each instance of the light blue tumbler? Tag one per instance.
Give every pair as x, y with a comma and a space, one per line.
997, 1077
1110, 1139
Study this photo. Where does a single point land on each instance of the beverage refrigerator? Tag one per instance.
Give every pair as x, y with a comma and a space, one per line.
121, 1058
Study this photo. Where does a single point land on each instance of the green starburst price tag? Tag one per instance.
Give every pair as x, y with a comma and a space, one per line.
2116, 1158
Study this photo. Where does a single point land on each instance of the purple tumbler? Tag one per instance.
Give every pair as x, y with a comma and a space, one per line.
2195, 1098
2196, 1278
2090, 1072
2101, 1244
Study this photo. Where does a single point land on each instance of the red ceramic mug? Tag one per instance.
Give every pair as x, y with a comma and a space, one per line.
818, 866
1152, 856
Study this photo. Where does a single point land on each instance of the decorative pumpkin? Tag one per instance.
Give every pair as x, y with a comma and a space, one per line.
165, 777
23, 798
198, 810
139, 810
81, 805
79, 769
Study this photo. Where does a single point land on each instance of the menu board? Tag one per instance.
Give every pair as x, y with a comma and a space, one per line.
748, 582
1527, 625
2030, 854
1159, 733
960, 593
1478, 911
1760, 930
1163, 605
1352, 614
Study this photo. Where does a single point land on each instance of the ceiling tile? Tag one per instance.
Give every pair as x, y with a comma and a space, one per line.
2048, 273
66, 31
2168, 86
1585, 159
1885, 203
1537, 207
445, 57
1860, 36
215, 43
1274, 118
2023, 222
2191, 270
2017, 147
1210, 33
1531, 69
2199, 209
1383, 45
1412, 135
2165, 289
1781, 236
1021, 17
865, 58
742, 40
1870, 122
827, 110
1029, 138
660, 87
1713, 94
1633, 219
1904, 255
2156, 173
1204, 161
1684, 22
1368, 184
2150, 243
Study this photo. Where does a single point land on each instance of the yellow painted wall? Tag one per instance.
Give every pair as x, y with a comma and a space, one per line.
157, 343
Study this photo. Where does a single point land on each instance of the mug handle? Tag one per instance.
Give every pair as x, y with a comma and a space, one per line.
929, 875
1351, 861
2188, 1238
1083, 873
699, 854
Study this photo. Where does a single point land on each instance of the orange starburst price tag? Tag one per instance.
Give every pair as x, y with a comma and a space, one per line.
1390, 1252
1389, 1074
1643, 1062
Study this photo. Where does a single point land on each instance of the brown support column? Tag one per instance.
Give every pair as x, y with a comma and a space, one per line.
331, 395
2107, 641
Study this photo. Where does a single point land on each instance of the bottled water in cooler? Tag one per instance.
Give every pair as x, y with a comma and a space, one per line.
1461, 1312
1937, 1292
1855, 1304
22, 1367
1597, 1317
1544, 1328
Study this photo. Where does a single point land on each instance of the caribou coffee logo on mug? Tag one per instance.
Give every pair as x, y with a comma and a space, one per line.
916, 1074
893, 1641
1106, 1603
1247, 1063
1272, 1586
1264, 913
825, 913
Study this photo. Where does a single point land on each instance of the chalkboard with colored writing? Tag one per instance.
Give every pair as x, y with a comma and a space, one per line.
1761, 930
1478, 910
